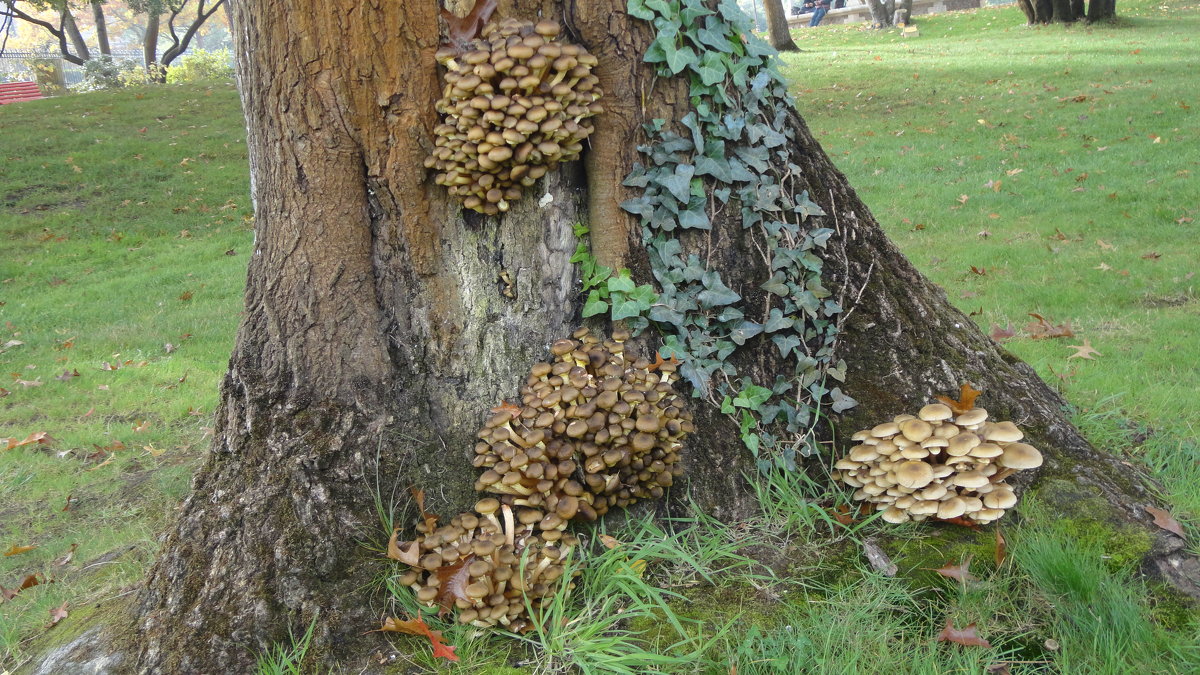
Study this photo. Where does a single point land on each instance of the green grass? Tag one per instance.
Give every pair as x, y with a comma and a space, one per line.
114, 207
117, 211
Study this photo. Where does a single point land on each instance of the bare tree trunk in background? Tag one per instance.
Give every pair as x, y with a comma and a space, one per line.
101, 27
777, 27
150, 44
376, 336
72, 31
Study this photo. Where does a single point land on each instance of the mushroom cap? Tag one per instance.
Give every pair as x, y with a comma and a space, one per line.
863, 453
987, 515
1003, 432
894, 515
971, 417
916, 430
924, 508
914, 474
1020, 456
934, 492
935, 412
951, 508
1000, 499
986, 451
970, 479
884, 430
846, 463
915, 452
962, 444
487, 505
860, 435
935, 442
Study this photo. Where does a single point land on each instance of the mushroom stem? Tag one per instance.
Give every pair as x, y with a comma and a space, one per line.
509, 529
1002, 474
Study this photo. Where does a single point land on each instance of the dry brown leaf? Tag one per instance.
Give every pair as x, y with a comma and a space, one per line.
1083, 351
418, 626
40, 437
57, 614
453, 583
966, 399
18, 550
1042, 328
1161, 519
1001, 547
1005, 333
960, 572
462, 30
429, 519
406, 552
609, 541
66, 558
962, 636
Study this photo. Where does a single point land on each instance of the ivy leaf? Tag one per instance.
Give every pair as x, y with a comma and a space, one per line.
777, 321
745, 331
717, 168
680, 59
711, 69
624, 308
594, 305
637, 8
777, 284
680, 184
752, 397
841, 401
786, 343
696, 219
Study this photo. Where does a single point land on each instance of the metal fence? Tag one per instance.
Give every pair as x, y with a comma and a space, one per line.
14, 64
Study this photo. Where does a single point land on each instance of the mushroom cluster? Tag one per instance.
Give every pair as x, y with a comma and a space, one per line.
516, 103
491, 565
597, 428
937, 465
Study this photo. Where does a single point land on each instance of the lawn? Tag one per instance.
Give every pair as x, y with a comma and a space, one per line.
1048, 171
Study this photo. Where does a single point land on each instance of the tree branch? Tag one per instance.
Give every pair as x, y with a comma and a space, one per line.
179, 47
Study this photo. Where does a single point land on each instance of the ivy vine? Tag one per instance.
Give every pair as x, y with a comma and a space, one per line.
731, 152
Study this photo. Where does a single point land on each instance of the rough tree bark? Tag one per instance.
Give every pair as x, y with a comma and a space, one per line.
150, 43
376, 334
777, 27
72, 30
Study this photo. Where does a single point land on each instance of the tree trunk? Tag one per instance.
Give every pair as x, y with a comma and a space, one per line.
383, 321
150, 46
1099, 10
72, 31
777, 27
883, 13
101, 27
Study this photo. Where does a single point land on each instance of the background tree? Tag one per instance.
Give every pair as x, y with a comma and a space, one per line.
885, 13
184, 19
64, 30
777, 27
378, 330
1066, 11
101, 27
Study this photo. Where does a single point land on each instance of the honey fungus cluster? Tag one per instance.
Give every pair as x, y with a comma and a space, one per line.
597, 429
516, 103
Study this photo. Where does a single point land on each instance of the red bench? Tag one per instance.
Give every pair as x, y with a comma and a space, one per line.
12, 92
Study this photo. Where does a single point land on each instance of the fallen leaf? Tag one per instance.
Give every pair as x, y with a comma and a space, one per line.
66, 558
429, 519
231, 252
18, 550
168, 347
185, 296
513, 410
142, 426
10, 344
1105, 245
1005, 333
453, 580
878, 559
959, 572
1083, 351
418, 626
67, 375
966, 399
1153, 255
57, 614
842, 515
981, 271
406, 552
999, 669
30, 581
609, 542
1103, 267
154, 452
962, 636
39, 437
1001, 547
1161, 519
1043, 329
67, 506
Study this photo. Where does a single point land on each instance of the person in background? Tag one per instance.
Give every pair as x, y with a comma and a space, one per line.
822, 6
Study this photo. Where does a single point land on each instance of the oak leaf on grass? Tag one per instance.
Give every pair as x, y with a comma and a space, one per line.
417, 626
962, 636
